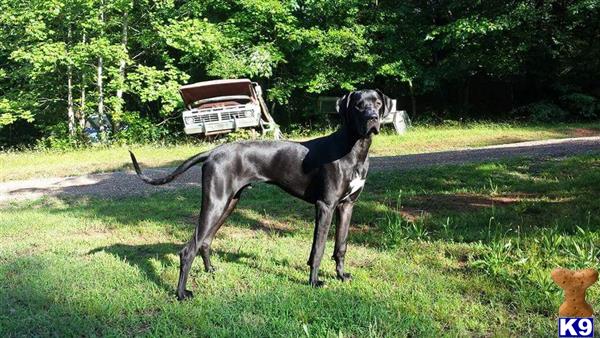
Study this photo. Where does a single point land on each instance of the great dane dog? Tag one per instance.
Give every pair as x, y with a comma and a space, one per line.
328, 172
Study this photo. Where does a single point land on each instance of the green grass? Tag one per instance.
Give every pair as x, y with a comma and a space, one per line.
35, 164
29, 164
446, 251
448, 137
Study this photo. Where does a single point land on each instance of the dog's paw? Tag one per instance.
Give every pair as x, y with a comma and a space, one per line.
345, 277
211, 269
187, 294
317, 284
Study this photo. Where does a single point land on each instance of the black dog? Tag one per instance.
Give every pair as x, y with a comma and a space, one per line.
328, 172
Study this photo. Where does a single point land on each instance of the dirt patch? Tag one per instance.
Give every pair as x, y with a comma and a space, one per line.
507, 140
92, 234
31, 250
411, 214
584, 132
266, 225
425, 205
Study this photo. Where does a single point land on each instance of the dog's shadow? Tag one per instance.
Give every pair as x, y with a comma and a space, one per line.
141, 256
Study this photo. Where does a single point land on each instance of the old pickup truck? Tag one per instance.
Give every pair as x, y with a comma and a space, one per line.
222, 106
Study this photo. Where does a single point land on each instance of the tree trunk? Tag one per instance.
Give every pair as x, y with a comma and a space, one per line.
100, 85
512, 94
82, 99
413, 99
70, 111
99, 82
122, 64
466, 97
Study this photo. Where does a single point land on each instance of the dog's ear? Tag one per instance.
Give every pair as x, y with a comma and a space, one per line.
342, 105
388, 104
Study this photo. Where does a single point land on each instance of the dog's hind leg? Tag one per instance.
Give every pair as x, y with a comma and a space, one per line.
209, 217
186, 257
205, 247
214, 205
341, 235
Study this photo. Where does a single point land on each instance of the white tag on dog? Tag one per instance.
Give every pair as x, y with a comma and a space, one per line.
355, 185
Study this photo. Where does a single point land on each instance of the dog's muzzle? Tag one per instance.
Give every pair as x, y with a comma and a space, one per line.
373, 126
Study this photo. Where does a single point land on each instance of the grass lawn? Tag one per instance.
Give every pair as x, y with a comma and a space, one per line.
446, 251
29, 164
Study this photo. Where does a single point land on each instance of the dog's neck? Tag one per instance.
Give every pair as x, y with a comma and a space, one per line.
343, 143
357, 144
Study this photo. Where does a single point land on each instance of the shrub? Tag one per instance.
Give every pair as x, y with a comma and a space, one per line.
59, 139
137, 129
581, 105
242, 134
542, 111
395, 229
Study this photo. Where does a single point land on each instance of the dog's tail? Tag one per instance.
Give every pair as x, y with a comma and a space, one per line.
190, 162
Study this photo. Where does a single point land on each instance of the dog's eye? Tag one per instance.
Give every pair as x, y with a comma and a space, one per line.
378, 103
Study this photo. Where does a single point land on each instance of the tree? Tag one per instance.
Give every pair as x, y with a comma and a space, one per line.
63, 61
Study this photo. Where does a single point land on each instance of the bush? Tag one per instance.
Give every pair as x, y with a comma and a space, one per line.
133, 129
59, 139
542, 111
241, 135
581, 105
137, 129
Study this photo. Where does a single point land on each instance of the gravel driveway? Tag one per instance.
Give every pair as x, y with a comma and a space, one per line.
121, 184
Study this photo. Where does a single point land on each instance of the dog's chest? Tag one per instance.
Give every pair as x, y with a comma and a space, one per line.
356, 183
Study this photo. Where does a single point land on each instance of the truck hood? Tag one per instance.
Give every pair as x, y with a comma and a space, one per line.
208, 89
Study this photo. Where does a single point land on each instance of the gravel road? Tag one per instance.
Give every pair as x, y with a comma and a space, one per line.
121, 184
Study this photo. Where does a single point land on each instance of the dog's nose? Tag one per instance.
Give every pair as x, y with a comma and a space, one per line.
372, 115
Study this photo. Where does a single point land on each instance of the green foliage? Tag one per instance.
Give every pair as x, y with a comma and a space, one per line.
396, 230
582, 105
153, 85
434, 53
10, 111
543, 112
139, 130
58, 138
242, 134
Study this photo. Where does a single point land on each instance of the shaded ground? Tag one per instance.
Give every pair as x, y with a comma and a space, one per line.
120, 184
426, 205
487, 239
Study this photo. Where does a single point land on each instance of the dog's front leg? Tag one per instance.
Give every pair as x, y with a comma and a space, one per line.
341, 235
324, 214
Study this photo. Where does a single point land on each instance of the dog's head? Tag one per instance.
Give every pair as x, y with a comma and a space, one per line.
363, 110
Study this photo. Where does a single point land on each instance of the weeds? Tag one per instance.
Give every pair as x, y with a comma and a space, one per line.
525, 263
395, 230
